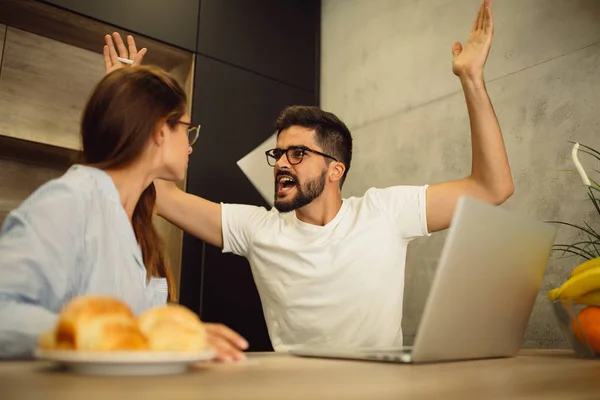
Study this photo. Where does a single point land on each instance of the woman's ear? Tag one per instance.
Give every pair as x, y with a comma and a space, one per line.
160, 135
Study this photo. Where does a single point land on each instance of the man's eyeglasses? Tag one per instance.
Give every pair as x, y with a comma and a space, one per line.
193, 131
294, 154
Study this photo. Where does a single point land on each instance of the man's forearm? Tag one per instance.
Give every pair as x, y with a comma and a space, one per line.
195, 215
490, 167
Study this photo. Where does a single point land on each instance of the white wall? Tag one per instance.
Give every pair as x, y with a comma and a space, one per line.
386, 71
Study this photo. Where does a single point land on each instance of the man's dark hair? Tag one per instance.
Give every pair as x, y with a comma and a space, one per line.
331, 133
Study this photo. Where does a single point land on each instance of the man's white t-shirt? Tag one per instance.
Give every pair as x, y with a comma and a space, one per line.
341, 284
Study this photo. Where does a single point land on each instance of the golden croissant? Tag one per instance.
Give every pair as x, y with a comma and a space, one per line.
173, 328
102, 323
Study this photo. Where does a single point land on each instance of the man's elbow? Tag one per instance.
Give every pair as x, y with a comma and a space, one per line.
494, 192
502, 193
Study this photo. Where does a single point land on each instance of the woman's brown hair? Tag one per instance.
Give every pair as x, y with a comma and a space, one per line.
121, 116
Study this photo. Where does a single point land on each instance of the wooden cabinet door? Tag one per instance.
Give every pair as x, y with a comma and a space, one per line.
2, 35
44, 85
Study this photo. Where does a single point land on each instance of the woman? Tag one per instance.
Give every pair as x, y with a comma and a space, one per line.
90, 231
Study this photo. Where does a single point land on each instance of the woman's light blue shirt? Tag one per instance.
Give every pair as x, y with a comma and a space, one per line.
71, 237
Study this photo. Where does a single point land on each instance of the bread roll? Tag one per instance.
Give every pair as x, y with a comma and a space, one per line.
173, 328
98, 323
47, 340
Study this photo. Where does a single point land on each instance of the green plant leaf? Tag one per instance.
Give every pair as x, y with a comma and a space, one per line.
590, 248
597, 157
594, 188
588, 244
594, 182
595, 203
593, 243
592, 233
589, 227
590, 148
559, 248
578, 250
585, 146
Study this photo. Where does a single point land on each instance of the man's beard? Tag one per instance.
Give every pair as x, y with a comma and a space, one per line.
305, 194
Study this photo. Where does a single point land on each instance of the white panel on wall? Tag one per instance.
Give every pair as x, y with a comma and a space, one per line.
255, 166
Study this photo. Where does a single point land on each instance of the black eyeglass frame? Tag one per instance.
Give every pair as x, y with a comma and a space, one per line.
272, 154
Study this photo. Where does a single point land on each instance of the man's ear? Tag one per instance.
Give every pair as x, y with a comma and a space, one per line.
337, 170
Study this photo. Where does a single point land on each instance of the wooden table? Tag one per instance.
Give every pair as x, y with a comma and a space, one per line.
549, 374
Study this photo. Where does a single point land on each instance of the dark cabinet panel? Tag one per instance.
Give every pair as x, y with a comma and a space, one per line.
276, 38
237, 110
171, 21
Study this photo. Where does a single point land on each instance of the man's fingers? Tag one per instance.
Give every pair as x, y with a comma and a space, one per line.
456, 49
132, 49
114, 58
226, 333
488, 25
476, 22
482, 14
120, 45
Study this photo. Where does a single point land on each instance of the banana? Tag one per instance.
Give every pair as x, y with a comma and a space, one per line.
553, 294
589, 264
589, 299
578, 285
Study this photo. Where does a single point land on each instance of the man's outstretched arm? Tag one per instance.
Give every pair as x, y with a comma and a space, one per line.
490, 179
197, 216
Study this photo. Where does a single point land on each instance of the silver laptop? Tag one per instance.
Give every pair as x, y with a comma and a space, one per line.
483, 292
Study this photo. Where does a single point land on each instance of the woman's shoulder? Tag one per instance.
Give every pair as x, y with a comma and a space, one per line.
59, 206
71, 190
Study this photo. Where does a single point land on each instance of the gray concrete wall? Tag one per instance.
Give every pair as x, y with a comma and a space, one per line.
386, 71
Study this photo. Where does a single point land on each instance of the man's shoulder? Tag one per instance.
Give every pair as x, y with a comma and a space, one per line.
254, 213
246, 208
374, 194
388, 201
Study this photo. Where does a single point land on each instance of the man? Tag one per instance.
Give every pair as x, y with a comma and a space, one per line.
331, 270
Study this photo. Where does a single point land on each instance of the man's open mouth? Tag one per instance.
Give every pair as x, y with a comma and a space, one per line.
285, 183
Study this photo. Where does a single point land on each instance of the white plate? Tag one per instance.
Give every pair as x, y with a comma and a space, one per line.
124, 362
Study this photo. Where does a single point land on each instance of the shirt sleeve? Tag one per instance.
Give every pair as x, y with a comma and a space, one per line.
406, 206
239, 223
38, 265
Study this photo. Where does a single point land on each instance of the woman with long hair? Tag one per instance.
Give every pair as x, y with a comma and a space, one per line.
90, 231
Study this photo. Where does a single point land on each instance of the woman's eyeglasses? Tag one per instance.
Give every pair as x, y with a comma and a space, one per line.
193, 131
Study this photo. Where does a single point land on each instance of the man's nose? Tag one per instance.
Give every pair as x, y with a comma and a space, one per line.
283, 163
